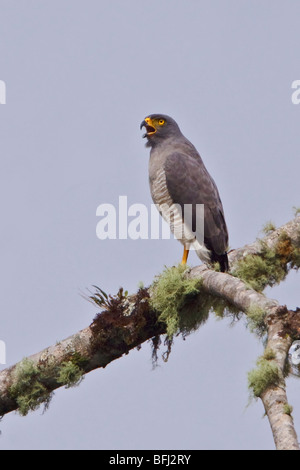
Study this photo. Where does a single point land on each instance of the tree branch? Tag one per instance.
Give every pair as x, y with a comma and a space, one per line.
113, 333
283, 327
128, 321
274, 396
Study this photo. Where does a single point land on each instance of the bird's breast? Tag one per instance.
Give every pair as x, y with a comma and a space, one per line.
170, 211
159, 189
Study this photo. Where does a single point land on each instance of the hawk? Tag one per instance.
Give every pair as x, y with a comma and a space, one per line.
179, 184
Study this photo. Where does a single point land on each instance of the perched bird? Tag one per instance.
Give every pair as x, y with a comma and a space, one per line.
179, 181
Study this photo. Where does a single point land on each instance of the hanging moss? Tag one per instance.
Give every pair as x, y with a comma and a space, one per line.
170, 294
30, 381
28, 388
181, 304
267, 373
256, 320
69, 374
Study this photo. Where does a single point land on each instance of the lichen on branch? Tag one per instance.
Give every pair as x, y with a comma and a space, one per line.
181, 302
170, 293
28, 388
266, 374
31, 388
269, 265
178, 302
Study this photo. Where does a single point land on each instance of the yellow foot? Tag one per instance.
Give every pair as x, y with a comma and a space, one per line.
185, 256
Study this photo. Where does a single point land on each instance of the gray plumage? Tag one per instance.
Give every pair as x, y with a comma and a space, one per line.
178, 178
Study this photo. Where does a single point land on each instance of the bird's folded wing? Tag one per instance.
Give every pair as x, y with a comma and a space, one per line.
189, 183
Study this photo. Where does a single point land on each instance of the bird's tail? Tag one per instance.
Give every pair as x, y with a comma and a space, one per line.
207, 255
222, 260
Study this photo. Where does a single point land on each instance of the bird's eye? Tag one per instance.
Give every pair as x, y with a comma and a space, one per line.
161, 122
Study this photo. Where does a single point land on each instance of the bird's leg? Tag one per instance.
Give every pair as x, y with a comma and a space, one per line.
185, 255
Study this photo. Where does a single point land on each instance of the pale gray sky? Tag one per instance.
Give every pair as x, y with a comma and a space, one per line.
80, 77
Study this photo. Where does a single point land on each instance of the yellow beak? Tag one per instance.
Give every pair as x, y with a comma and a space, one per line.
148, 124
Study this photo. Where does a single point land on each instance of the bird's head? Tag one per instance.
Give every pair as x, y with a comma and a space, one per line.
159, 127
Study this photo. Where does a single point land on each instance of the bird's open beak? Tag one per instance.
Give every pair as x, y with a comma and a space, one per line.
148, 124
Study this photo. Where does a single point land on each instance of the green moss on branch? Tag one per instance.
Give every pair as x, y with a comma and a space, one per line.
69, 374
170, 294
28, 389
287, 409
256, 320
31, 382
271, 265
266, 374
182, 304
